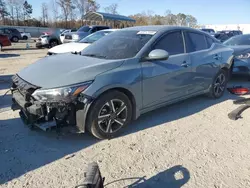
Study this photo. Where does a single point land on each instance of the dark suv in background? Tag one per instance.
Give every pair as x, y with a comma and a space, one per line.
83, 32
13, 34
227, 34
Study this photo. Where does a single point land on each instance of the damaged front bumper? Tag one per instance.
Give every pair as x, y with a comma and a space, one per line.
47, 115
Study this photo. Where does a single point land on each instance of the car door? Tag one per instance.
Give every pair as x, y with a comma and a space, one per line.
204, 58
167, 80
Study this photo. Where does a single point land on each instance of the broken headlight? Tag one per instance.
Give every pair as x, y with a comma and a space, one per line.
65, 94
243, 56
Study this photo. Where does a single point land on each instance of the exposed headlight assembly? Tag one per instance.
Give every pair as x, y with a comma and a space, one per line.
63, 94
244, 56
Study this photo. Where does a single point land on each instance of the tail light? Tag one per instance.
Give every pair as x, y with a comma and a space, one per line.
238, 90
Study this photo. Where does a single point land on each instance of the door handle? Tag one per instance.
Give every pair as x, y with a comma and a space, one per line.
217, 57
185, 64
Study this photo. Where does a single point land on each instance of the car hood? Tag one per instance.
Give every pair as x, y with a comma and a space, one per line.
68, 47
240, 49
66, 69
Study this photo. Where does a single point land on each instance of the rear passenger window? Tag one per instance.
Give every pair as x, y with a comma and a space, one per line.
195, 42
209, 42
172, 43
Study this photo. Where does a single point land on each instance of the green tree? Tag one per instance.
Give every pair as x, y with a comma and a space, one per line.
27, 10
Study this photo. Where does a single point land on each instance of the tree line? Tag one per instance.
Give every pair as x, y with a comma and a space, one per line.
70, 14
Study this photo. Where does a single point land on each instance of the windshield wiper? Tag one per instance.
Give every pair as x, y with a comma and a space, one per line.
95, 55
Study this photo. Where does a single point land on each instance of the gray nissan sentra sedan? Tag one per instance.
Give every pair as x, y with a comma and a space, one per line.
120, 77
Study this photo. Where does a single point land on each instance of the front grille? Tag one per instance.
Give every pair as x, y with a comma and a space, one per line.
68, 37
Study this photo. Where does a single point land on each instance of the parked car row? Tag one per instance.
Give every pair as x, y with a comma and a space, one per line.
222, 35
120, 76
77, 47
56, 37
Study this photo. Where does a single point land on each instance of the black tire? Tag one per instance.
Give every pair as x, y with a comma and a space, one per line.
102, 122
219, 84
25, 38
53, 43
15, 39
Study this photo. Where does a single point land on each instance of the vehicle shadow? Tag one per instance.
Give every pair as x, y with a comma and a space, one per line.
5, 103
8, 55
174, 177
23, 150
5, 81
176, 111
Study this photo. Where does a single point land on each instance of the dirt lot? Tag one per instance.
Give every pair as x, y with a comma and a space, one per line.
190, 144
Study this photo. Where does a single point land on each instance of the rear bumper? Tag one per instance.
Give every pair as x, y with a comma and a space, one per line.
41, 45
69, 40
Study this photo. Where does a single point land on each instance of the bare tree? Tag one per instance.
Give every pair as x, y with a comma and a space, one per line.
55, 11
81, 6
91, 5
84, 6
11, 7
45, 16
18, 8
66, 9
112, 9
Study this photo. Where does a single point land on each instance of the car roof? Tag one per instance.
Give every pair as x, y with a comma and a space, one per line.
110, 30
159, 28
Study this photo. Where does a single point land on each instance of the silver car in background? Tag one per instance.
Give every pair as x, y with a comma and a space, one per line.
121, 76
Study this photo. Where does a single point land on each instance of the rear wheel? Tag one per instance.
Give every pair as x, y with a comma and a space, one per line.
219, 84
109, 114
15, 39
53, 43
25, 38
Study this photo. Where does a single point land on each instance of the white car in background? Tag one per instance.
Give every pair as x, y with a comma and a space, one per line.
77, 47
62, 35
25, 36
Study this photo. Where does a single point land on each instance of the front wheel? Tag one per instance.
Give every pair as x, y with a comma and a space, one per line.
109, 114
219, 84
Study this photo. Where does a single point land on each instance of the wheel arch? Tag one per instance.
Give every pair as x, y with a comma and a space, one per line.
124, 90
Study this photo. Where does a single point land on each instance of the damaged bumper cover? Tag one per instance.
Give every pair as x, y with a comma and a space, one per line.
46, 115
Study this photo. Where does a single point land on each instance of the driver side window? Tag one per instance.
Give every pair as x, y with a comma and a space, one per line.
172, 43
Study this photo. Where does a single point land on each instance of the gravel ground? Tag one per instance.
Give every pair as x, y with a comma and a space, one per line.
190, 144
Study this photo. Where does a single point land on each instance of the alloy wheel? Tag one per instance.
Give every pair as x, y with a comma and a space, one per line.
220, 84
112, 116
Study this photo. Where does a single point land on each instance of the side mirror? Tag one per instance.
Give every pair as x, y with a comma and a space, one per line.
157, 54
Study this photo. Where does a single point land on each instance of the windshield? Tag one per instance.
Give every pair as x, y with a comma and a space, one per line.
84, 29
94, 37
238, 40
118, 45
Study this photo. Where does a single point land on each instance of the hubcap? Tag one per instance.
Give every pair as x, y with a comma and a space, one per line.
112, 116
219, 84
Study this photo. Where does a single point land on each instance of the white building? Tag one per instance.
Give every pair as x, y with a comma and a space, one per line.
245, 28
